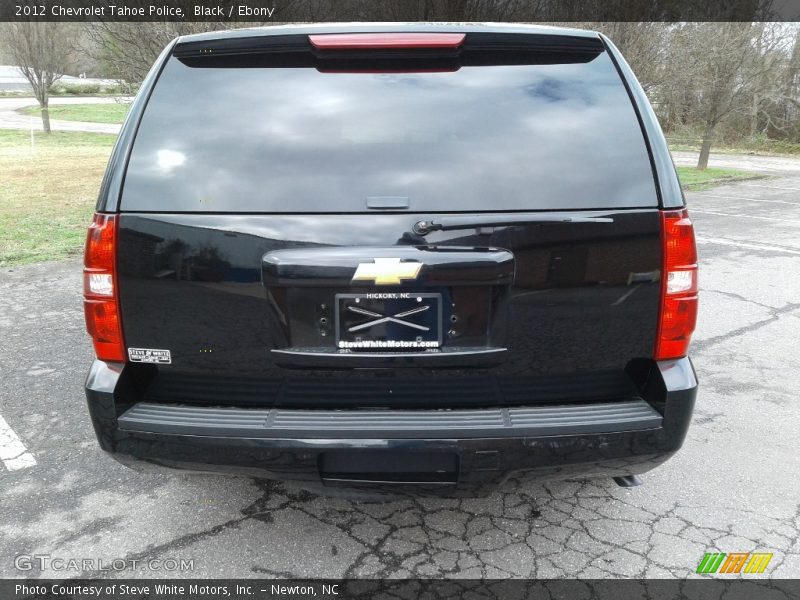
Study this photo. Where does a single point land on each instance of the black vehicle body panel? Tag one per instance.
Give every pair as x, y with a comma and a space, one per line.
482, 459
562, 315
548, 315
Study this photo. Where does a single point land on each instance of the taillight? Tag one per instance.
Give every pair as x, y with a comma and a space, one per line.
100, 289
678, 314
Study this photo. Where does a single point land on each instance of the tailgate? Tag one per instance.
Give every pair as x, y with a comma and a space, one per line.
514, 312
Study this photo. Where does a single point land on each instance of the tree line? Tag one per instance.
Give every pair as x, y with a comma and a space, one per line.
717, 82
709, 82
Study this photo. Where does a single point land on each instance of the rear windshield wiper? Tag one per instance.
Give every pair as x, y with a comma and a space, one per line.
471, 221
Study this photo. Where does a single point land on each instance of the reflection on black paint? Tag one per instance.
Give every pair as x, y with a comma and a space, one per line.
562, 313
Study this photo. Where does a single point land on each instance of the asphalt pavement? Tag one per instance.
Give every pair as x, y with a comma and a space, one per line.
734, 486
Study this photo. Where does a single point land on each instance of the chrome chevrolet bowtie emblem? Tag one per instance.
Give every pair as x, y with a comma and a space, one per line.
387, 271
378, 318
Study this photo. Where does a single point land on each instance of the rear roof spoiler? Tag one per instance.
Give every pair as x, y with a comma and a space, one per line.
368, 44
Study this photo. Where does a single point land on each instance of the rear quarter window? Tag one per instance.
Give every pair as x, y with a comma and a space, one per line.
234, 137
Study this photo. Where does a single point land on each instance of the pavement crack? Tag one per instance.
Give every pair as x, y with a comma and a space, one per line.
701, 345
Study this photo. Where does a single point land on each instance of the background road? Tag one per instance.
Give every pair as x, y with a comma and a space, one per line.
768, 165
735, 486
10, 118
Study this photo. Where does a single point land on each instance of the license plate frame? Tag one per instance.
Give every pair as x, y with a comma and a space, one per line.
388, 321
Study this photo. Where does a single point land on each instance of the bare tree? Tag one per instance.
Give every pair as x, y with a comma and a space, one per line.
126, 51
791, 106
644, 45
727, 74
716, 63
775, 98
42, 51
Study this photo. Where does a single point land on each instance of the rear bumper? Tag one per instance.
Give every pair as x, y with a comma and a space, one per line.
468, 450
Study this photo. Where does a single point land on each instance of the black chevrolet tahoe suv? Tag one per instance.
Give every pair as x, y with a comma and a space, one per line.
392, 255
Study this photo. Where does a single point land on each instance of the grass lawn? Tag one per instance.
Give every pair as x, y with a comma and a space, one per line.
694, 180
112, 112
47, 196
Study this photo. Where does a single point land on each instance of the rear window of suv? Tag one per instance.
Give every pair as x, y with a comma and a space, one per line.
238, 135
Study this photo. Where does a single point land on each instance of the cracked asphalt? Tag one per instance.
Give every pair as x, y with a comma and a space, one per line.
735, 485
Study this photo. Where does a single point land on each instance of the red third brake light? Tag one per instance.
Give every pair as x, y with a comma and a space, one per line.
100, 289
377, 41
678, 313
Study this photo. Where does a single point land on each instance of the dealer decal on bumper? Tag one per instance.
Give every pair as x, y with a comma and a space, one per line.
149, 355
